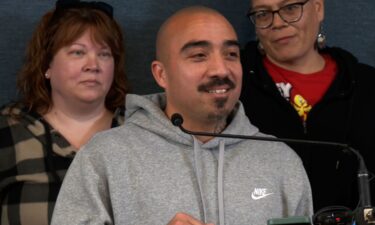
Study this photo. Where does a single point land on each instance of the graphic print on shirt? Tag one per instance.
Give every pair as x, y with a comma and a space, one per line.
298, 101
302, 106
285, 89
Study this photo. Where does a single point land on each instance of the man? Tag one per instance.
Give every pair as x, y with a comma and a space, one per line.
150, 172
294, 87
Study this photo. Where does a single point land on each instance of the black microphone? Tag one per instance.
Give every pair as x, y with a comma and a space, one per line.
365, 215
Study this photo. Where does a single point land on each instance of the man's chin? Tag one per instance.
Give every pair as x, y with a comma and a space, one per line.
220, 103
219, 114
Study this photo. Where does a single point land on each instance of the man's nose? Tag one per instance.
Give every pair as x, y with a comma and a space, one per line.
218, 66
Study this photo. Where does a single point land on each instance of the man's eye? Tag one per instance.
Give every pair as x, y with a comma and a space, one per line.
198, 56
232, 55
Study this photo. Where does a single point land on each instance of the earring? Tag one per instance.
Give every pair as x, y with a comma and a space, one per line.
261, 48
46, 76
321, 39
259, 45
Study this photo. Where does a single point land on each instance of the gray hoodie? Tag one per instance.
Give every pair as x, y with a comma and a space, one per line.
147, 170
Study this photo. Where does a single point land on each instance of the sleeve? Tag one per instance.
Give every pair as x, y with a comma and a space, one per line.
84, 196
305, 204
302, 190
295, 186
8, 155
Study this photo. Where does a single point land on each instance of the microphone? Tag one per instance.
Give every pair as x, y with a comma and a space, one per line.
366, 214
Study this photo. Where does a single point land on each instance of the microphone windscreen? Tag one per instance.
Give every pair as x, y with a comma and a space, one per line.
177, 119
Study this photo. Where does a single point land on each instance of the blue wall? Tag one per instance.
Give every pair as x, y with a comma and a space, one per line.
348, 24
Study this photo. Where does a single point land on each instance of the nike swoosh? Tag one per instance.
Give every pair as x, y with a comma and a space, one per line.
259, 197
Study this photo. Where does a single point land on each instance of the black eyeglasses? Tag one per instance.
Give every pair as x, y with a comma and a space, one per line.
289, 13
102, 6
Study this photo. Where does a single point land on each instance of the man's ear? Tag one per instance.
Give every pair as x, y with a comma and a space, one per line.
159, 73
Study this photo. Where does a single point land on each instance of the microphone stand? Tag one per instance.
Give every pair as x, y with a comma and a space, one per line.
365, 214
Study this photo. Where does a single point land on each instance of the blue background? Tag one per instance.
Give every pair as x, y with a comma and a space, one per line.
348, 24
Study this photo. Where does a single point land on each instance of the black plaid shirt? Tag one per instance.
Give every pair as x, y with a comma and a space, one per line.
33, 161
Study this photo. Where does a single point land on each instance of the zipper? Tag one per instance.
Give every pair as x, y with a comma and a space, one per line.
304, 128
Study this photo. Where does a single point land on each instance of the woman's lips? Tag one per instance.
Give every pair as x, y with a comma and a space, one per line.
283, 40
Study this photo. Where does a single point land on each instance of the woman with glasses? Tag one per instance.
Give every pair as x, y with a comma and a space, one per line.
72, 86
296, 87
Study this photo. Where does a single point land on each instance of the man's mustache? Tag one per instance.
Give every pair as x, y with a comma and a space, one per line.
216, 81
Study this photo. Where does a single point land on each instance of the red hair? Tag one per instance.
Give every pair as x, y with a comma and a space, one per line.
56, 31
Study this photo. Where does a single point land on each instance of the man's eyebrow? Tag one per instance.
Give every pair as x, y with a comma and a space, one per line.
230, 43
194, 44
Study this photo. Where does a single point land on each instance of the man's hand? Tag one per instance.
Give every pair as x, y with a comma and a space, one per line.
185, 219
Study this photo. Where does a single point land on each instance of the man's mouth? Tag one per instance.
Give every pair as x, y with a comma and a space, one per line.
218, 91
217, 86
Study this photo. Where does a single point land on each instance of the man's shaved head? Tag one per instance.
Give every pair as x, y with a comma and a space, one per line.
176, 23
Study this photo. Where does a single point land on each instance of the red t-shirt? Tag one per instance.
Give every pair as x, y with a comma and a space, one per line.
303, 91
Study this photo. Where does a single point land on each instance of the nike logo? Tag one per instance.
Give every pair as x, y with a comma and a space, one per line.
259, 193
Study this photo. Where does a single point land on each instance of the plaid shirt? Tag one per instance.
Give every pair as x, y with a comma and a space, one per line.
33, 161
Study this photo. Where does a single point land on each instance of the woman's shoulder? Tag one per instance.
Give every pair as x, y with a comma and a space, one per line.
9, 112
9, 108
14, 113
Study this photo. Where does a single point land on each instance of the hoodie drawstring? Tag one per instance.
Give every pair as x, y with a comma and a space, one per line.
220, 178
197, 172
